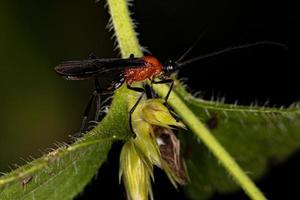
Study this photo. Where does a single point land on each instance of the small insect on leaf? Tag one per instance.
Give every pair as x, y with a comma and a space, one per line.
212, 122
26, 180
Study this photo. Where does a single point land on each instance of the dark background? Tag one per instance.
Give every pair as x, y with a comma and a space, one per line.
39, 108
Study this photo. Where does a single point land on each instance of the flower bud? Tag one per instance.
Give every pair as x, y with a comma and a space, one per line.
154, 144
135, 173
155, 113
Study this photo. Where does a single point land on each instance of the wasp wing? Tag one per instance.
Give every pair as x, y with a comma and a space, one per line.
107, 68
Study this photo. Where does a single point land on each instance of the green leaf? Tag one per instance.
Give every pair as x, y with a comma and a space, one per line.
254, 136
63, 173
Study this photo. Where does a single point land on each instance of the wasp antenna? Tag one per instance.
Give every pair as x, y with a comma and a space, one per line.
191, 47
229, 49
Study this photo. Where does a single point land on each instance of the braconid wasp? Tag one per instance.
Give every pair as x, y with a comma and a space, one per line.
116, 71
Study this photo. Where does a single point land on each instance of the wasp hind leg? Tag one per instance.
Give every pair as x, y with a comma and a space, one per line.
95, 97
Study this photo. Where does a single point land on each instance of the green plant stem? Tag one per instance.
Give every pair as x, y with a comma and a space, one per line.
123, 26
128, 43
211, 142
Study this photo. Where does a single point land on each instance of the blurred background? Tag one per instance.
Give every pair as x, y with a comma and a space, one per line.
39, 108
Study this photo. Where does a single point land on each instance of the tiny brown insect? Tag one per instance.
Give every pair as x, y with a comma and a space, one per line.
212, 122
26, 180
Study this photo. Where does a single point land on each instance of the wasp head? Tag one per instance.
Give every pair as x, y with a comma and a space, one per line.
169, 67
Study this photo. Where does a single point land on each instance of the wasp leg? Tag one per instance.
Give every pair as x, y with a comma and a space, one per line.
96, 96
171, 81
153, 93
150, 94
163, 82
97, 100
142, 91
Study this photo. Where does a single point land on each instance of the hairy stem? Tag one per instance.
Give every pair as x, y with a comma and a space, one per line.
124, 28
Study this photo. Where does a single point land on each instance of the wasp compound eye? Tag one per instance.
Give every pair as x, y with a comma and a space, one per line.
169, 67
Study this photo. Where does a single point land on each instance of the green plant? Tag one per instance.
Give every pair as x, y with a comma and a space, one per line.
247, 133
